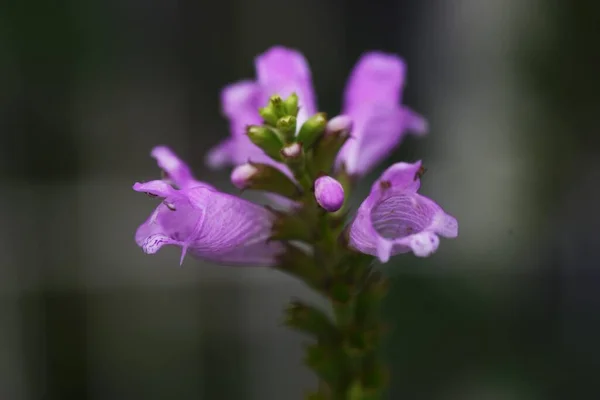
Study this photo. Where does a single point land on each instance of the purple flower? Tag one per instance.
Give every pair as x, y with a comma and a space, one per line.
329, 193
279, 71
206, 223
372, 102
395, 219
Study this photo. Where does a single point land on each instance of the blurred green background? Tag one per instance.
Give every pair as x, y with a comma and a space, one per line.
509, 310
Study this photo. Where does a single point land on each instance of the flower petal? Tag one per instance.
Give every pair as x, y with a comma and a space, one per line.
376, 79
240, 102
384, 249
372, 100
424, 244
414, 122
213, 226
178, 171
241, 97
397, 220
283, 71
376, 133
222, 154
155, 188
400, 176
445, 225
151, 244
233, 227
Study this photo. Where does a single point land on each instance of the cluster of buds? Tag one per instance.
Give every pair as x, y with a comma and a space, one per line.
299, 155
308, 165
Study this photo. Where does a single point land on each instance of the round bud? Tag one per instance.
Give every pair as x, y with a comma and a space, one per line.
242, 175
292, 151
329, 193
341, 123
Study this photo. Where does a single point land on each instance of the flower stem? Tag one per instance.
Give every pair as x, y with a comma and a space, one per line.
345, 354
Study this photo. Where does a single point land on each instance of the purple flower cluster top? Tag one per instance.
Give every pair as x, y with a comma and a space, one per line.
289, 151
372, 101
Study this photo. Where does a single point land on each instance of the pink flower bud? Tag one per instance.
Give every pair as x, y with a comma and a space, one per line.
242, 174
329, 193
292, 151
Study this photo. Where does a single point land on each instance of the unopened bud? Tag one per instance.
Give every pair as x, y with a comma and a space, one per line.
264, 177
341, 123
276, 102
291, 104
267, 139
287, 126
242, 175
294, 150
337, 132
312, 130
268, 115
329, 193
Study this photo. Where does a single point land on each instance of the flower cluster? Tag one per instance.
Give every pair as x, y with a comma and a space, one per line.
306, 162
308, 165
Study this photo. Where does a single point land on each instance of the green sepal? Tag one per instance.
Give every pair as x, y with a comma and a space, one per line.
316, 396
312, 130
358, 392
298, 263
267, 139
368, 300
289, 226
271, 179
375, 376
310, 320
326, 149
327, 361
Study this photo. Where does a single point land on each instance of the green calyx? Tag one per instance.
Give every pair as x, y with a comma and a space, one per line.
271, 179
312, 130
326, 149
267, 139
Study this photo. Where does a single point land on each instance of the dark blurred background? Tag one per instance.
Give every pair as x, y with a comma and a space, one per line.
511, 88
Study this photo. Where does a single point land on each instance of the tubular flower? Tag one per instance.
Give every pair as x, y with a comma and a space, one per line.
395, 219
206, 223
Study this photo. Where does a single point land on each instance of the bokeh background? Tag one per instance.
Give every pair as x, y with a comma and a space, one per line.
508, 311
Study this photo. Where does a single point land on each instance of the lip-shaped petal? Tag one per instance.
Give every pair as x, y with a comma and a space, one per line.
221, 155
398, 220
213, 226
283, 71
400, 176
155, 188
178, 171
